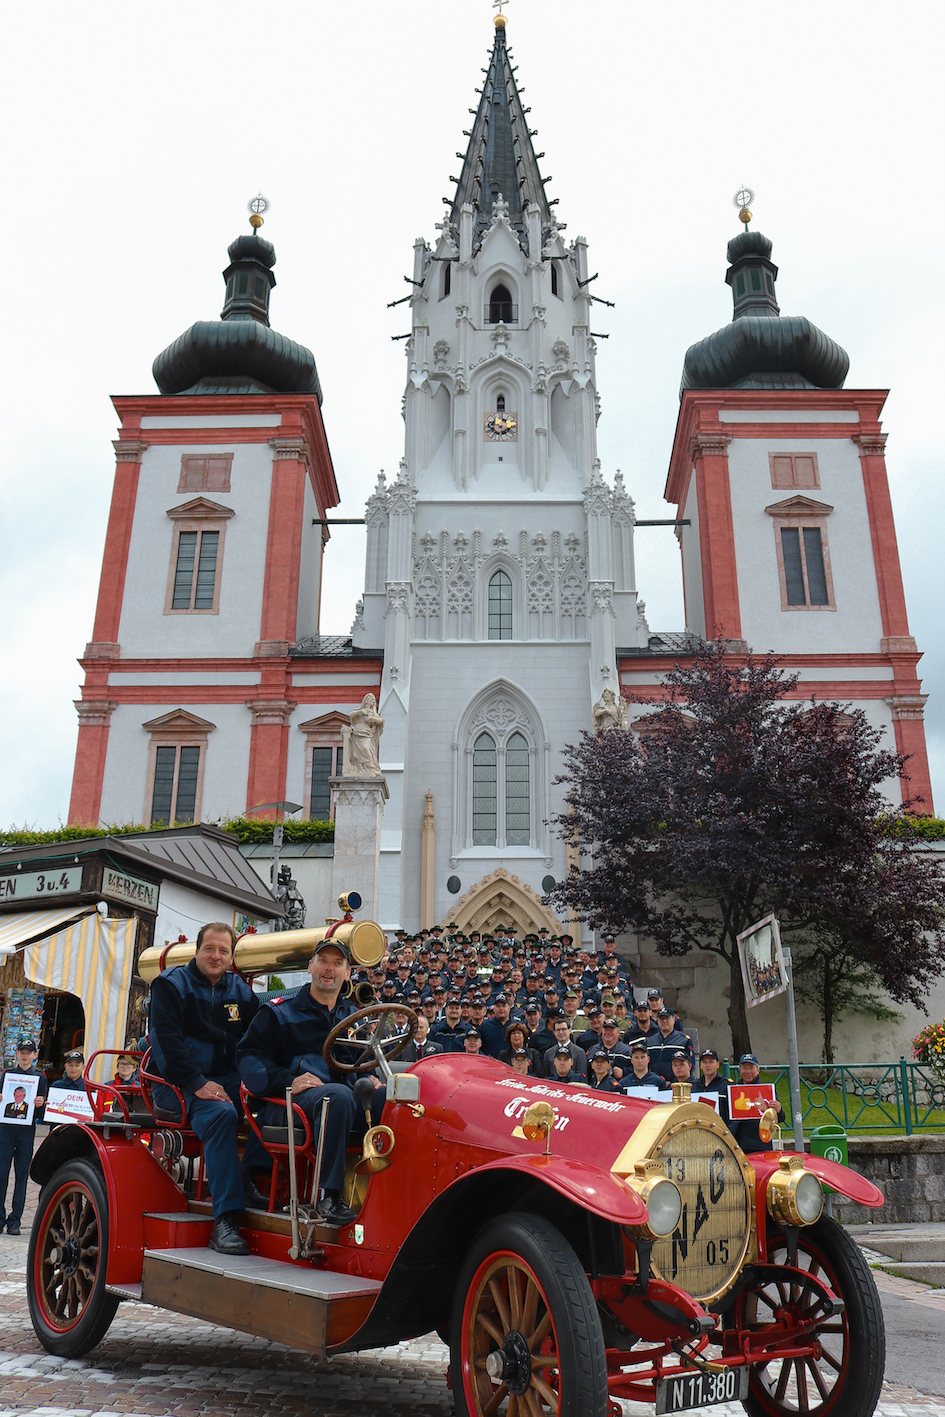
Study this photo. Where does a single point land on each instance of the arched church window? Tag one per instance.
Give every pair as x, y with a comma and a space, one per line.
554, 279
485, 794
501, 310
500, 403
447, 278
500, 606
517, 813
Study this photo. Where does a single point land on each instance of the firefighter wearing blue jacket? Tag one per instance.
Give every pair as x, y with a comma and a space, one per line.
283, 1049
199, 1013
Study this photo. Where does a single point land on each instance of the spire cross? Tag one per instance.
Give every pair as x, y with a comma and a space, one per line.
497, 5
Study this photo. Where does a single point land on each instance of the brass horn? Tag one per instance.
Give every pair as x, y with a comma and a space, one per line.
372, 1159
363, 994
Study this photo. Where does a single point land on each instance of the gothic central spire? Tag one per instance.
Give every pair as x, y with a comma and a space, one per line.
500, 159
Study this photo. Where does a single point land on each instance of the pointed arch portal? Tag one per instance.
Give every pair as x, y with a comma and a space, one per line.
502, 899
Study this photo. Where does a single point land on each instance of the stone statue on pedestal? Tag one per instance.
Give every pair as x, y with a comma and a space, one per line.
362, 740
610, 711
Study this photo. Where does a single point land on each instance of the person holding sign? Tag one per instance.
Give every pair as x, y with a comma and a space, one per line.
747, 1102
712, 1081
68, 1092
22, 1091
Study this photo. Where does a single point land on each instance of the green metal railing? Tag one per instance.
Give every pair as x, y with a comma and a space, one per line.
863, 1097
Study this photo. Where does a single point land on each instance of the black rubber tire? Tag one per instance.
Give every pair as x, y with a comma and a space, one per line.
858, 1336
69, 1306
532, 1248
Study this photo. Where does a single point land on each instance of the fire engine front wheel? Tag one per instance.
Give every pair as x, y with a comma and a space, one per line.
845, 1378
69, 1306
525, 1336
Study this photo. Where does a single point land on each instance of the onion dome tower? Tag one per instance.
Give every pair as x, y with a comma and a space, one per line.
761, 348
240, 353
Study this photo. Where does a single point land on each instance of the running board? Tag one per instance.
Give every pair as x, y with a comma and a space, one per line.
304, 1308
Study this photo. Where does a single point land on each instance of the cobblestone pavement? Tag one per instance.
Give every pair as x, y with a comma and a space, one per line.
154, 1364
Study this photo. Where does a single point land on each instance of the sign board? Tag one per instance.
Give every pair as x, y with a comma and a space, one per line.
650, 1093
711, 1099
749, 1099
31, 885
121, 886
67, 1105
762, 961
18, 1099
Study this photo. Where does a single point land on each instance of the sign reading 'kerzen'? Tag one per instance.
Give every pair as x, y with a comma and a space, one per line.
128, 888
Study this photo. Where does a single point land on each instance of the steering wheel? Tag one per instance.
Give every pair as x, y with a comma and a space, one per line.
373, 1044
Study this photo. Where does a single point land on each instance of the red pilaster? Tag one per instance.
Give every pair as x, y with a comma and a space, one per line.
708, 450
86, 801
892, 599
268, 750
121, 516
283, 545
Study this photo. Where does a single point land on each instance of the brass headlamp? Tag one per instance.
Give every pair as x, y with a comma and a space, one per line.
794, 1196
661, 1198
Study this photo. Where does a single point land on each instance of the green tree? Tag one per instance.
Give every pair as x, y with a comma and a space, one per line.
739, 801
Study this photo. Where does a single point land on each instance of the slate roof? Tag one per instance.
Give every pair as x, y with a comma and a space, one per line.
331, 647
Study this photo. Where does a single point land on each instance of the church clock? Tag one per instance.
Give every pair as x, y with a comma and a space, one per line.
500, 427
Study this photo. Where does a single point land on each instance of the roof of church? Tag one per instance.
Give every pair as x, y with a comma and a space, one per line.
761, 348
500, 159
239, 353
331, 647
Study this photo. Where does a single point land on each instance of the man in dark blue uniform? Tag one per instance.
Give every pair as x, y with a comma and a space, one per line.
199, 1013
283, 1049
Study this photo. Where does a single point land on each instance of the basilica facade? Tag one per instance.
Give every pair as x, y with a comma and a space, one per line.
500, 615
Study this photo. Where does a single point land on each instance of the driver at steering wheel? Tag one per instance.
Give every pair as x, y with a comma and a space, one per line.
282, 1048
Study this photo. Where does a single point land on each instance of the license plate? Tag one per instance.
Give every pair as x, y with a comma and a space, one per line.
690, 1390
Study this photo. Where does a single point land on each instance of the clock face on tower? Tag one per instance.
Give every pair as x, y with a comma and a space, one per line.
500, 427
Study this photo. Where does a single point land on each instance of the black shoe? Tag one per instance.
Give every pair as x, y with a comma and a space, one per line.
255, 1198
13, 1228
226, 1239
331, 1210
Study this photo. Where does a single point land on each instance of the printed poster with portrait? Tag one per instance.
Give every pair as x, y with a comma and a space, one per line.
18, 1099
762, 961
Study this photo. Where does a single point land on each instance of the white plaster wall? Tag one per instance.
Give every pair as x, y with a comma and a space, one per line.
309, 568
444, 679
856, 624
692, 563
226, 768
313, 875
145, 629
182, 911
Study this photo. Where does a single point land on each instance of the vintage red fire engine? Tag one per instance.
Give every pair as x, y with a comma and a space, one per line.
570, 1247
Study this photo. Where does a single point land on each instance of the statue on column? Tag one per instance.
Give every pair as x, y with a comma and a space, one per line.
610, 711
290, 898
362, 740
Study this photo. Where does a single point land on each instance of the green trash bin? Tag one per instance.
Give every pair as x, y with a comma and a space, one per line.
831, 1143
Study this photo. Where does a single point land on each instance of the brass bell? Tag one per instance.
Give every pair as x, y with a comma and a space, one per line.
372, 1159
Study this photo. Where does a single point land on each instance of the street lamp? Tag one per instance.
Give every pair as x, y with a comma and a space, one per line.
281, 808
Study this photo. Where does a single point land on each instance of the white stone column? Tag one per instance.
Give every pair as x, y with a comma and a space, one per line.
359, 807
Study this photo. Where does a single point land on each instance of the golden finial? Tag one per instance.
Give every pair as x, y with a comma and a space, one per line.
257, 206
742, 197
500, 21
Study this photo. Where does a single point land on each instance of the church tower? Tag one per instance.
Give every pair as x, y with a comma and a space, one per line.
500, 574
788, 542
207, 688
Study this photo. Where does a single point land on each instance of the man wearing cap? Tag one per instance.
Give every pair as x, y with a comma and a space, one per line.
656, 1002
16, 1140
592, 1034
615, 1049
450, 1032
712, 1080
282, 1049
670, 1040
73, 1063
746, 1132
562, 1067
640, 1074
644, 1025
601, 1073
562, 1036
199, 1013
542, 1037
472, 1043
492, 1030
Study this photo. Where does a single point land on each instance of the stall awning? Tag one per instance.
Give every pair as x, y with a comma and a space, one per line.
16, 929
93, 958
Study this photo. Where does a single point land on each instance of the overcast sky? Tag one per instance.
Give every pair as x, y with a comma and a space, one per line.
136, 133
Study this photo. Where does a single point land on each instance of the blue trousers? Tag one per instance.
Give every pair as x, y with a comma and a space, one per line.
16, 1150
344, 1118
216, 1124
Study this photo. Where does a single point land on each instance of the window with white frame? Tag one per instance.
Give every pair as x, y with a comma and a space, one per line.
500, 606
501, 792
176, 762
800, 529
196, 557
324, 759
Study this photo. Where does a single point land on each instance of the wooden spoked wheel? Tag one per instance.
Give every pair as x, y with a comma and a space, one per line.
525, 1336
69, 1305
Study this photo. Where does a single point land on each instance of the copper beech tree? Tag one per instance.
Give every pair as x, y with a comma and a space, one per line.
737, 801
